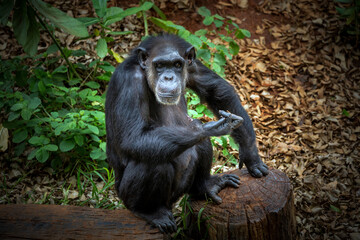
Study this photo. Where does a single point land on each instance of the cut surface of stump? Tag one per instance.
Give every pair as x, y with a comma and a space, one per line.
30, 221
261, 208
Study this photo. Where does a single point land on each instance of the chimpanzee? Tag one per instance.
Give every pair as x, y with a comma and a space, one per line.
157, 151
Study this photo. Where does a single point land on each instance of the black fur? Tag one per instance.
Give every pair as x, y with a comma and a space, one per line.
159, 153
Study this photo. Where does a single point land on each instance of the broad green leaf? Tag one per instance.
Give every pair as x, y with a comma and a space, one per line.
203, 11
195, 41
219, 17
17, 106
13, 116
216, 67
112, 12
51, 147
33, 34
5, 10
26, 113
61, 19
208, 20
95, 153
233, 144
79, 139
205, 54
201, 32
20, 136
234, 48
39, 140
101, 48
200, 108
67, 145
32, 154
93, 84
42, 155
219, 59
34, 102
100, 7
20, 22
218, 23
42, 88
93, 128
103, 146
60, 69
130, 11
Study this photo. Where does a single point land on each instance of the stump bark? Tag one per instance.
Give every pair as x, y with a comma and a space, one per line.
71, 222
261, 208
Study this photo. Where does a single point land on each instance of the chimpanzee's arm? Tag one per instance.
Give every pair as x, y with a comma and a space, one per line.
220, 95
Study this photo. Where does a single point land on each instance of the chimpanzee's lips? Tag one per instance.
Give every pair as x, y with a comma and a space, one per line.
168, 98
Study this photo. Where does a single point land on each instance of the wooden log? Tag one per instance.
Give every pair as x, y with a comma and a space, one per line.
261, 208
72, 222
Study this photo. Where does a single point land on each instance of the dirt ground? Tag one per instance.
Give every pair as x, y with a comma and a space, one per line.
298, 77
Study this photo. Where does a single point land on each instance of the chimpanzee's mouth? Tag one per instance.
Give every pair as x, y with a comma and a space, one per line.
168, 98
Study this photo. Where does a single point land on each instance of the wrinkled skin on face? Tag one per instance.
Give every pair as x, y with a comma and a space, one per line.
167, 72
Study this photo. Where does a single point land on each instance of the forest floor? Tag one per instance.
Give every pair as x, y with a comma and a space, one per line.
298, 77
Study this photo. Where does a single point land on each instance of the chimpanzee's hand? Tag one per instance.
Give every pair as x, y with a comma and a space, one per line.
223, 126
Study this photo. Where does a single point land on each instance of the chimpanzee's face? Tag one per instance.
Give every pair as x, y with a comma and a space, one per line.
166, 71
167, 76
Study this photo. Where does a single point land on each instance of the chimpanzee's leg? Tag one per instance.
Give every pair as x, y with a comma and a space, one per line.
146, 190
206, 184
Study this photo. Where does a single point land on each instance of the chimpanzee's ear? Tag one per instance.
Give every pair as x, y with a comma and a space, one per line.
142, 56
190, 55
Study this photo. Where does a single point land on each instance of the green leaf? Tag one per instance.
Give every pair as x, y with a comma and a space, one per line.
201, 32
205, 54
246, 33
20, 136
34, 103
345, 113
20, 22
51, 147
60, 69
67, 145
95, 153
121, 33
93, 84
42, 155
100, 7
32, 154
234, 48
218, 23
130, 11
200, 108
93, 129
88, 21
26, 113
208, 20
79, 139
103, 146
17, 106
203, 11
335, 209
101, 48
13, 116
61, 19
216, 67
5, 10
159, 12
33, 34
219, 17
42, 88
39, 140
233, 144
219, 59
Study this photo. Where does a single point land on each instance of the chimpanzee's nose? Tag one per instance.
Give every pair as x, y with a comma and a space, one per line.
169, 78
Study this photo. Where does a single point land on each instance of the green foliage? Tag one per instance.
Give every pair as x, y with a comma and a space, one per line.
350, 11
25, 24
58, 117
213, 55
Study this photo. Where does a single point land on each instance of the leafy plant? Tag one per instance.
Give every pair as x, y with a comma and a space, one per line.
25, 21
350, 12
47, 114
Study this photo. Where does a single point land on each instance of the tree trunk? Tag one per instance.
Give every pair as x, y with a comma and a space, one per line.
71, 222
261, 208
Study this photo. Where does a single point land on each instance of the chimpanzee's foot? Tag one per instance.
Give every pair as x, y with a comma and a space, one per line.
217, 183
258, 169
162, 219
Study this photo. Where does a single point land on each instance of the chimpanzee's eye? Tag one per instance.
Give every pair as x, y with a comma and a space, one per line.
158, 65
178, 64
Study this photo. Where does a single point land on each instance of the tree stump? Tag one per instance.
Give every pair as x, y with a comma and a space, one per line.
261, 208
32, 221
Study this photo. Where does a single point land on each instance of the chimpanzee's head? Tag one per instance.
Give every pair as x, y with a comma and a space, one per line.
166, 67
